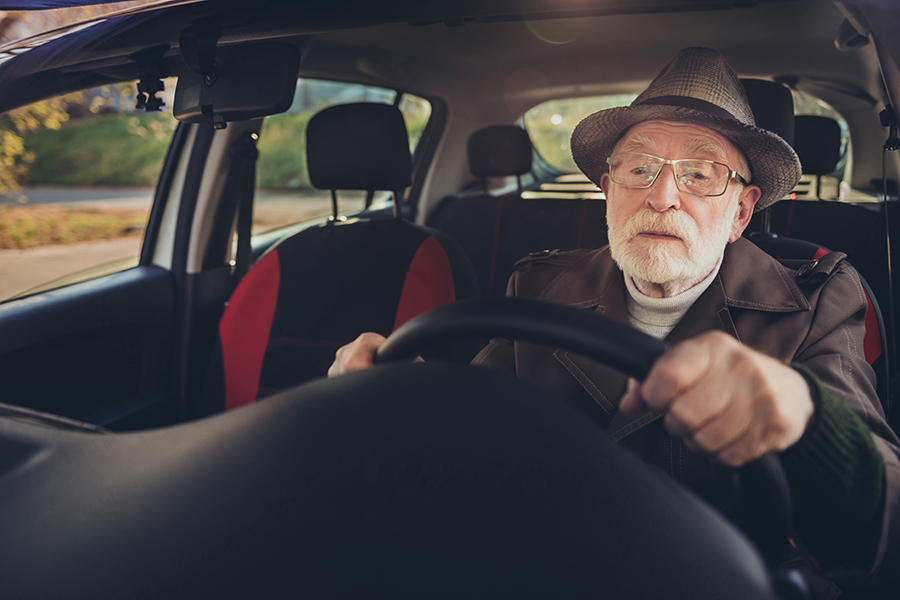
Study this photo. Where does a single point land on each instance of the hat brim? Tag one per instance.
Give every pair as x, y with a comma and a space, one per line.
774, 164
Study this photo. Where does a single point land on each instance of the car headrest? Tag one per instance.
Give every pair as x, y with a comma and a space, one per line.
499, 151
818, 144
358, 147
772, 105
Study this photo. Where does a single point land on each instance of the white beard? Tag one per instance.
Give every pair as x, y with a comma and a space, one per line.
669, 263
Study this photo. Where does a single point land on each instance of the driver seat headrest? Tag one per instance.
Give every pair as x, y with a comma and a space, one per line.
818, 144
361, 146
499, 151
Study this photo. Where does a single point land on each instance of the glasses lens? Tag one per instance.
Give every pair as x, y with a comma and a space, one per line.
634, 170
701, 177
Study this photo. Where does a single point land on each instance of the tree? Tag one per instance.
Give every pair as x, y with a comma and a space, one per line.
14, 156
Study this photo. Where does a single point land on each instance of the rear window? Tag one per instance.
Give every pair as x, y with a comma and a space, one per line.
550, 125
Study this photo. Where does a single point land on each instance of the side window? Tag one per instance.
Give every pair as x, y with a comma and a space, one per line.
77, 175
283, 194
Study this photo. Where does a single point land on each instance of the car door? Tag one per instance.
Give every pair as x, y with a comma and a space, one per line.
113, 344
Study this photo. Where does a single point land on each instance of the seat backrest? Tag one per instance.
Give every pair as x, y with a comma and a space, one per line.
497, 230
792, 252
852, 229
320, 288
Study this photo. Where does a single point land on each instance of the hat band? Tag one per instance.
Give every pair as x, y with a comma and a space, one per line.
692, 103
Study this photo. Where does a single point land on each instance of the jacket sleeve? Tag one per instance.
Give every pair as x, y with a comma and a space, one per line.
499, 354
845, 472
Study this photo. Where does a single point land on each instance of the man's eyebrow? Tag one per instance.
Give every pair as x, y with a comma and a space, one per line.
695, 146
705, 146
638, 141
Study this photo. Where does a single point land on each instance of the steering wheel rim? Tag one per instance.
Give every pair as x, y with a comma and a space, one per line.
595, 336
539, 321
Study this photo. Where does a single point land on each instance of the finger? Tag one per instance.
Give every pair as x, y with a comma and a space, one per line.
357, 355
724, 429
631, 399
743, 450
676, 371
702, 405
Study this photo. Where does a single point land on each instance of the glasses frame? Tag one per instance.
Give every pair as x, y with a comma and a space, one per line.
732, 174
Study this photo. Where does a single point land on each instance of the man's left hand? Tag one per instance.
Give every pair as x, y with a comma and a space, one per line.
725, 399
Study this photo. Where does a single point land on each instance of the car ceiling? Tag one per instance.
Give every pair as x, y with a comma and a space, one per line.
434, 58
488, 60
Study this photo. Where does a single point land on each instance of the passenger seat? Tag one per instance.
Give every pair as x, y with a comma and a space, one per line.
319, 289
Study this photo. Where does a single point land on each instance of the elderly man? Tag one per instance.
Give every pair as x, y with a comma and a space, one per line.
764, 358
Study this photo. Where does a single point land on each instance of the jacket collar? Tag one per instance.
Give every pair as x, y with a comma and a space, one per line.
748, 279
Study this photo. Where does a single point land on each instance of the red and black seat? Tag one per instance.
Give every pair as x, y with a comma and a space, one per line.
322, 287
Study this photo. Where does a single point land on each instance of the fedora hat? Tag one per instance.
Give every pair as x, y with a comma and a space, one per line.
700, 87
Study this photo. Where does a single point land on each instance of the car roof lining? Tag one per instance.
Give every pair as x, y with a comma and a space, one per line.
402, 49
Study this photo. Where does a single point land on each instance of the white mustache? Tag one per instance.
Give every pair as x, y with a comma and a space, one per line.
672, 223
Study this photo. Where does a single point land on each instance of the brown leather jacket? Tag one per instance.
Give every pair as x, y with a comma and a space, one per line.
813, 316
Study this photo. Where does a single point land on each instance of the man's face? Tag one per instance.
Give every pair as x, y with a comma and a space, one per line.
662, 235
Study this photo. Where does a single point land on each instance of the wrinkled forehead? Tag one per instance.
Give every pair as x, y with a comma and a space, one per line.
687, 140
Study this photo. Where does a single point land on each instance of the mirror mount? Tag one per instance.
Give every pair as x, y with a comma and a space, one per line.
152, 69
198, 49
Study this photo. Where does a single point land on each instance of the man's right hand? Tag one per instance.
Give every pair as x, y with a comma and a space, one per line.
356, 355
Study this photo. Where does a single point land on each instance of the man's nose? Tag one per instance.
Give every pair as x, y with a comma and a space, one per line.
664, 194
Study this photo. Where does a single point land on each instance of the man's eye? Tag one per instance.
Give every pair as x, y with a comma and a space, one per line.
639, 170
698, 176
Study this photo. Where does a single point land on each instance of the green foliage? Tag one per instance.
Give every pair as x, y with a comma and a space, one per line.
15, 156
282, 152
101, 149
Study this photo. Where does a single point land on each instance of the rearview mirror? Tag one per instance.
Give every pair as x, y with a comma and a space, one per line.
249, 81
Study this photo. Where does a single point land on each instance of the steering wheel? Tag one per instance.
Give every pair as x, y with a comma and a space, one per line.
603, 339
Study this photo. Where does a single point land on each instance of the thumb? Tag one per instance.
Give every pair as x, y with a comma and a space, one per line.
631, 399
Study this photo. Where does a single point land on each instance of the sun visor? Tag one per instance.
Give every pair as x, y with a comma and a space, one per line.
244, 82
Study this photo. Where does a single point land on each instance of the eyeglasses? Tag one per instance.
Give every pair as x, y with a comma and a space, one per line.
692, 176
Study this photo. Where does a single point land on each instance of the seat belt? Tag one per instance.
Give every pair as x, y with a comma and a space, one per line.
244, 155
237, 200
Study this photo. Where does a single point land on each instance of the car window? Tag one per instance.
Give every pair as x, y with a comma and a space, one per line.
284, 195
835, 185
76, 185
550, 125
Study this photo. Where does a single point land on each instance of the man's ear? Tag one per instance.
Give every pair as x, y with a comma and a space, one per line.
747, 200
604, 184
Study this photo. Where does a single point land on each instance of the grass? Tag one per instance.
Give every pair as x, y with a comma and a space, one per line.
31, 226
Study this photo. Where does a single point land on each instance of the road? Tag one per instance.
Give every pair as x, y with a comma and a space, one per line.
85, 197
21, 270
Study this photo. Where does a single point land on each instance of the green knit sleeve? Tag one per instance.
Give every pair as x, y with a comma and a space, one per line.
837, 482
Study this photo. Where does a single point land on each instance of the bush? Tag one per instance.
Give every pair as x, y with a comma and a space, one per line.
101, 149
